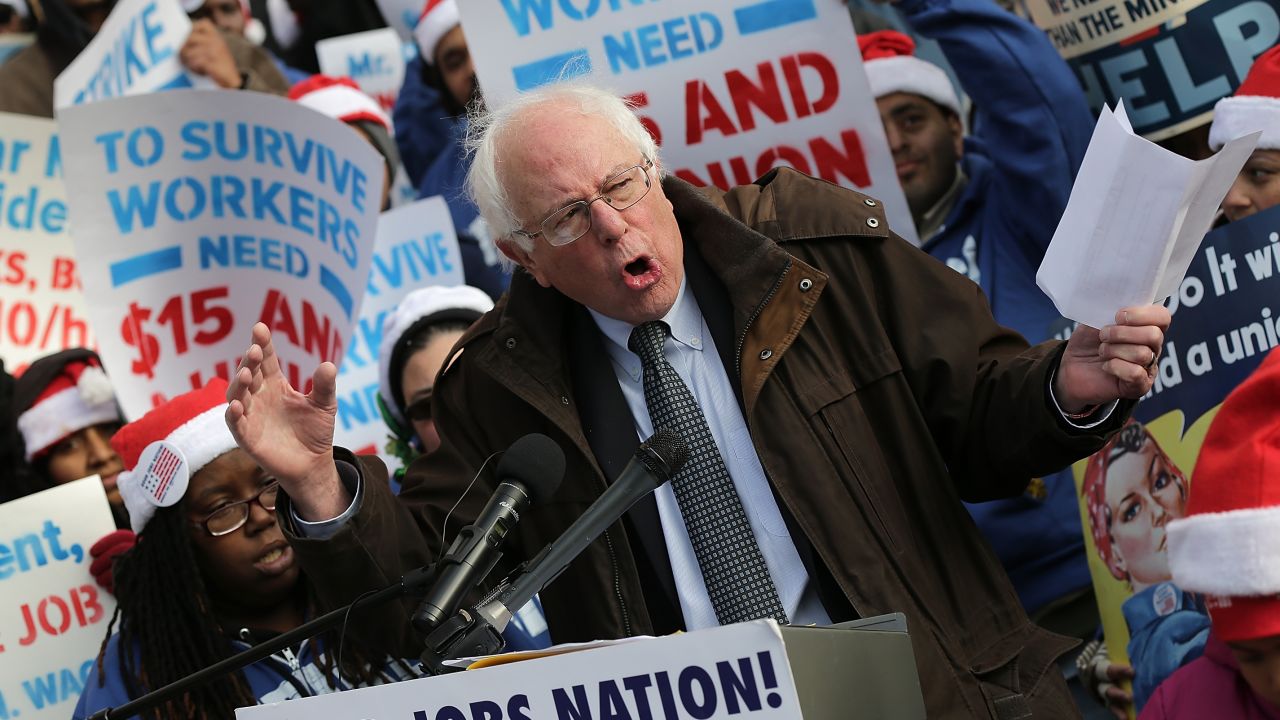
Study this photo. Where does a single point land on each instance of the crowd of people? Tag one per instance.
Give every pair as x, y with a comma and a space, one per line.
873, 427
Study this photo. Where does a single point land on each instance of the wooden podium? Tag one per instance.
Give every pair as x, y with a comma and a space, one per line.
755, 670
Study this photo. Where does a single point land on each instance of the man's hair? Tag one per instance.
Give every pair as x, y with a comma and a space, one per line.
487, 128
168, 629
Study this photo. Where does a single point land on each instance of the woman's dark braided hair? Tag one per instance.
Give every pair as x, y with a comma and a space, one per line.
168, 628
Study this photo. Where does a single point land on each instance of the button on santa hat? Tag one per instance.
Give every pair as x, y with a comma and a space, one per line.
437, 19
1254, 107
62, 394
164, 448
887, 57
1228, 545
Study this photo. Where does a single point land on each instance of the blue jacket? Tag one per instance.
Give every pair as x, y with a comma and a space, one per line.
1168, 628
430, 144
1028, 138
283, 676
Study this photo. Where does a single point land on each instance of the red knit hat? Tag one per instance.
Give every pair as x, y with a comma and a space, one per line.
339, 98
164, 448
887, 56
78, 396
1228, 545
1254, 107
437, 19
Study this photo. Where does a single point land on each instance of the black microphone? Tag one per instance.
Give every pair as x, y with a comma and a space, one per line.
655, 461
530, 471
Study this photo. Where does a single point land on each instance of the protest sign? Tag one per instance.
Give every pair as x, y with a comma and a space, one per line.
736, 671
729, 89
206, 211
53, 616
1226, 318
373, 59
135, 51
402, 15
1169, 61
416, 248
41, 305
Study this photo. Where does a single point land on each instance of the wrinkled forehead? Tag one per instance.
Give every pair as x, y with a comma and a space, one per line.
556, 150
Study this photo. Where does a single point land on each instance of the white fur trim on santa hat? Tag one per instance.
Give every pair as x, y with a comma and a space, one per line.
201, 440
1228, 553
910, 74
284, 23
344, 102
66, 412
432, 28
419, 304
18, 6
1235, 117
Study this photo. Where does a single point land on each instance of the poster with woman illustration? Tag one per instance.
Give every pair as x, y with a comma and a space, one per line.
1226, 318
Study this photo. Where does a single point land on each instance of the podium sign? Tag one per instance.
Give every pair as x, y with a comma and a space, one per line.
737, 671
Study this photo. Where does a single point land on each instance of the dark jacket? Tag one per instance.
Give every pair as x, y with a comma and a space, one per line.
28, 77
879, 392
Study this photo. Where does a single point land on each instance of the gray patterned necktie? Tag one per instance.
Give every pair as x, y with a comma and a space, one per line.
733, 569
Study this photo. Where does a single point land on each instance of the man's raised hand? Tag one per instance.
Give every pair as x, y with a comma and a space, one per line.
288, 433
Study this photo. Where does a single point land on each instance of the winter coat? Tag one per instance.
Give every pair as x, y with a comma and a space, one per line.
1030, 133
1167, 629
1209, 687
879, 392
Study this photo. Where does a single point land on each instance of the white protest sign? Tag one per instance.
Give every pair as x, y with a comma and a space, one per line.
402, 15
207, 211
41, 305
736, 671
135, 51
53, 616
373, 59
730, 88
416, 247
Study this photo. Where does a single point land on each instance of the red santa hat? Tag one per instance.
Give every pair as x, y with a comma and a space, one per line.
891, 67
1254, 107
77, 396
437, 19
164, 448
1228, 545
340, 98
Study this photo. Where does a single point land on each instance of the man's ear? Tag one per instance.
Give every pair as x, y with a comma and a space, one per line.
957, 133
517, 255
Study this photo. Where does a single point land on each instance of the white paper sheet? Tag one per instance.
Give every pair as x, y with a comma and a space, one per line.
1136, 216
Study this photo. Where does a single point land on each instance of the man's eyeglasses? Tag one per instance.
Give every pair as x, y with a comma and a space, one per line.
230, 518
574, 220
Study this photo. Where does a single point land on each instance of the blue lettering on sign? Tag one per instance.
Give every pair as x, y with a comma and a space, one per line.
359, 407
330, 281
773, 14
521, 12
366, 64
417, 260
125, 62
57, 686
27, 552
146, 265
248, 251
1177, 74
654, 44
557, 67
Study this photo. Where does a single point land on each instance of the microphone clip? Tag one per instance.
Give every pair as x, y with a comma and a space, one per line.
465, 634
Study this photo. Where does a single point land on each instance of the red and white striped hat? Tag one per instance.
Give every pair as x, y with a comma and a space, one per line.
1255, 106
79, 396
891, 66
437, 19
164, 448
1228, 545
340, 98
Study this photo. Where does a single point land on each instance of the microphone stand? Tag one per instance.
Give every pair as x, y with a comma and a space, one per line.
411, 583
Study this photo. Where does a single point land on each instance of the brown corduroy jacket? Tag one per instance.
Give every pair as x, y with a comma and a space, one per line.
879, 392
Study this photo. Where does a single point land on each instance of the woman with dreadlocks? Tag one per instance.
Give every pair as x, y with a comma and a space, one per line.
211, 575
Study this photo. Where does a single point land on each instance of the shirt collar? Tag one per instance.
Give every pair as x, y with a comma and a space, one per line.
684, 318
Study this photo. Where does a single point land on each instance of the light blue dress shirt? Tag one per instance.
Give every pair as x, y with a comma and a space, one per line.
692, 352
